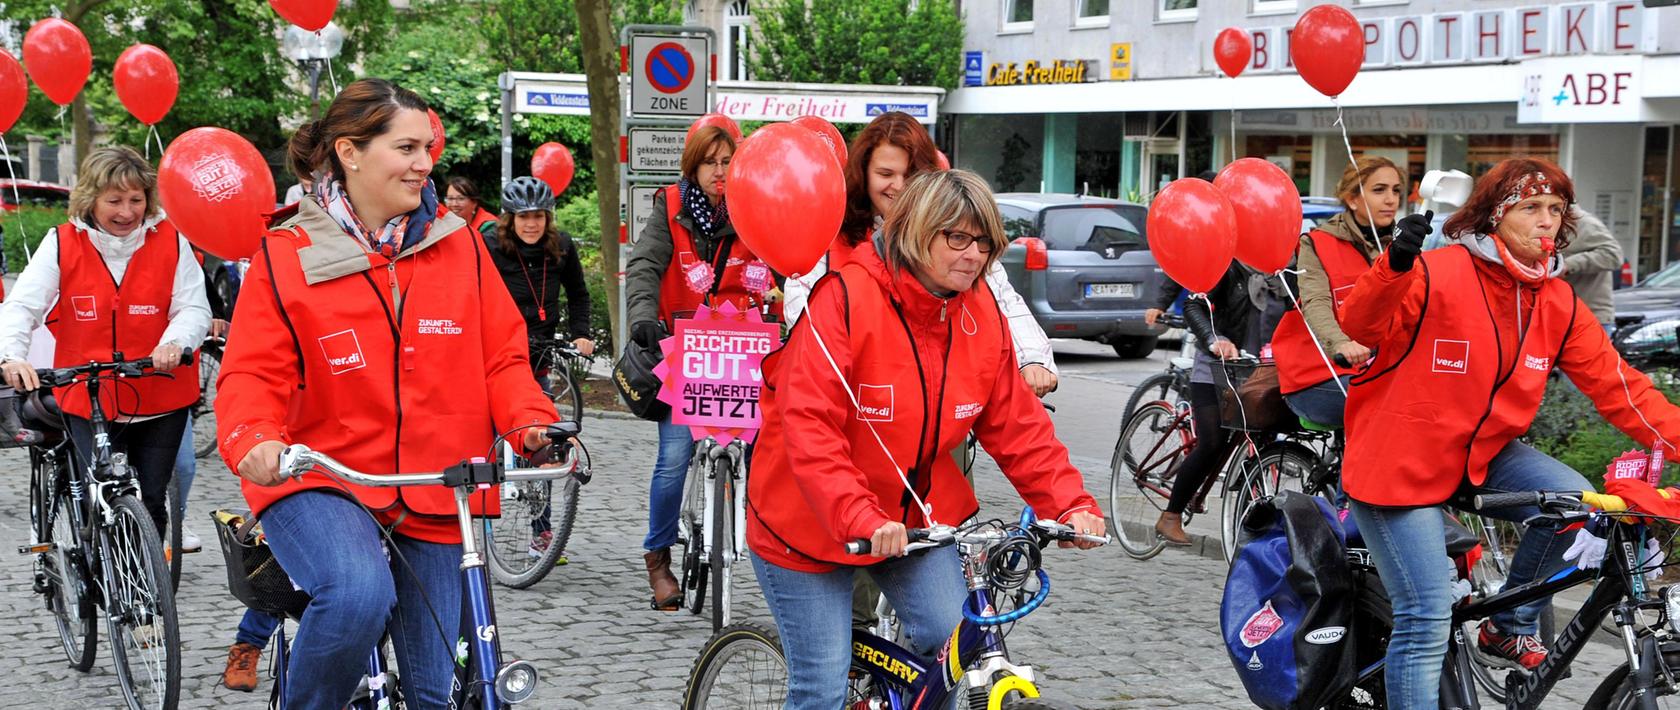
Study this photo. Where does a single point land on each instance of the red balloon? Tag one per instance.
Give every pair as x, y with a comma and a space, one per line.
311, 15
1327, 47
146, 82
786, 196
552, 163
437, 137
830, 135
217, 189
1232, 49
1193, 233
1267, 206
940, 161
14, 90
716, 119
58, 58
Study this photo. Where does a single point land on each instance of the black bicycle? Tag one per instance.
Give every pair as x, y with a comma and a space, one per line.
95, 545
562, 367
204, 410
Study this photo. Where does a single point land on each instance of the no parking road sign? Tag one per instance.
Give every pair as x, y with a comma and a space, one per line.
668, 75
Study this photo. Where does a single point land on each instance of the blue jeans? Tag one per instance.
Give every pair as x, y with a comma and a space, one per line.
331, 548
814, 617
1408, 547
1323, 403
186, 464
256, 628
676, 447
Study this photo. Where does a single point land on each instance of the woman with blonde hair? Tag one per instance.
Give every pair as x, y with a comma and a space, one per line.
116, 277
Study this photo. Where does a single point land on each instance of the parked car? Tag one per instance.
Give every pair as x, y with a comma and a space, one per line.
1083, 266
1315, 210
32, 193
1648, 320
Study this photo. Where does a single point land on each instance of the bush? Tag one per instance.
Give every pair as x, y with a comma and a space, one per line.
24, 229
580, 218
1570, 430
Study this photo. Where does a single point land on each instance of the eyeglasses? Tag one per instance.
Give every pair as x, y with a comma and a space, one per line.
960, 241
457, 198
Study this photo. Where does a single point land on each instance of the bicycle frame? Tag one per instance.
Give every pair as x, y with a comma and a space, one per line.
708, 451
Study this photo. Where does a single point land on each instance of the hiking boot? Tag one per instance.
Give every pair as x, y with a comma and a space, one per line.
1518, 650
241, 673
1171, 529
667, 594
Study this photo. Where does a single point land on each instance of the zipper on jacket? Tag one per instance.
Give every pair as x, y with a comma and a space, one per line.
921, 436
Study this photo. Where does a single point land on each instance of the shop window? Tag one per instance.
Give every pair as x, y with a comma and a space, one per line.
1292, 153
1271, 7
1653, 200
1175, 10
1017, 14
1089, 12
1485, 151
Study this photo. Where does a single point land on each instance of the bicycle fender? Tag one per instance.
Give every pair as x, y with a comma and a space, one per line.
1298, 448
1016, 683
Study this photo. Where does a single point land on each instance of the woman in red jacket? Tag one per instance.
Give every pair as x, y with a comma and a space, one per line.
462, 198
1465, 338
374, 328
901, 354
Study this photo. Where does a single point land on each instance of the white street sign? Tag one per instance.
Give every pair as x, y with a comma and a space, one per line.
656, 150
641, 207
668, 75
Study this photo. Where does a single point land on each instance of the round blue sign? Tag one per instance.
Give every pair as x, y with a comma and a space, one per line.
669, 68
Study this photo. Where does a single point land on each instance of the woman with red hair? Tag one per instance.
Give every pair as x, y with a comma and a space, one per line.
1465, 338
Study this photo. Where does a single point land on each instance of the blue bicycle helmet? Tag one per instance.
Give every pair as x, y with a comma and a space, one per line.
527, 194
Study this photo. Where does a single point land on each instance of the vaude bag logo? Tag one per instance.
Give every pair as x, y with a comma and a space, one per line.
1261, 626
1327, 635
1451, 357
85, 307
343, 352
875, 403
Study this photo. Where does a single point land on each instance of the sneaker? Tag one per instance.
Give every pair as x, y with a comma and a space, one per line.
540, 543
190, 542
1518, 650
241, 673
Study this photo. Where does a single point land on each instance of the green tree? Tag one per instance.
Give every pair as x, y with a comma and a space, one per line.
859, 42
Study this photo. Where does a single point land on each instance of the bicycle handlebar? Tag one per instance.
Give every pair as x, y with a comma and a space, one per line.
1558, 501
298, 459
920, 539
61, 376
1171, 320
1044, 533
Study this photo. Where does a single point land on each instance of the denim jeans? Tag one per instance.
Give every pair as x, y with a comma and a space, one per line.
814, 617
1323, 403
676, 447
186, 464
331, 548
256, 628
1408, 547
151, 446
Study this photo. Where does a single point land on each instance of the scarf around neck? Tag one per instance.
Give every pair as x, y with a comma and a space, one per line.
391, 238
1492, 248
707, 219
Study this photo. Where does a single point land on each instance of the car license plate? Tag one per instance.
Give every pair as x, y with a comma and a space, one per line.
1111, 290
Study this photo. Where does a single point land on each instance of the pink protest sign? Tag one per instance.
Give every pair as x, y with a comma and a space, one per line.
711, 375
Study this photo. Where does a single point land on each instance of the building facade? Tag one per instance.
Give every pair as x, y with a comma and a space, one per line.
1118, 98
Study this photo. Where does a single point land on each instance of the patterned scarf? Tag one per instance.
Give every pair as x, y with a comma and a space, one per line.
392, 237
707, 219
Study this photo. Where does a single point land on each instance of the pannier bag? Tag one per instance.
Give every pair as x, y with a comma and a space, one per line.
1288, 605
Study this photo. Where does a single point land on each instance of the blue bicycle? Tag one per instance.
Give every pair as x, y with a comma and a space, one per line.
255, 578
741, 666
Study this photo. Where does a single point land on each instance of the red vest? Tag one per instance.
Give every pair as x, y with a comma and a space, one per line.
675, 297
97, 318
1433, 412
1299, 363
894, 396
480, 219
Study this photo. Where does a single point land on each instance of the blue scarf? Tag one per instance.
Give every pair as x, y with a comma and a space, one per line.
707, 219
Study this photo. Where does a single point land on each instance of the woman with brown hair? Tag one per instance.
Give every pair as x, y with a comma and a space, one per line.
1330, 258
373, 328
462, 198
890, 151
1465, 338
537, 260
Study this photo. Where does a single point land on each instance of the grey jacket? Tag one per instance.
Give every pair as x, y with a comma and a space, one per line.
1591, 262
652, 255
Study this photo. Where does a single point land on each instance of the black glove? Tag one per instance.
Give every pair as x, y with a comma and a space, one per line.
1408, 240
647, 334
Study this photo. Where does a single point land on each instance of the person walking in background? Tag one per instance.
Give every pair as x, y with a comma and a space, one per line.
1590, 261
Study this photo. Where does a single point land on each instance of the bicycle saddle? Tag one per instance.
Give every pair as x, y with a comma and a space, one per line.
1460, 539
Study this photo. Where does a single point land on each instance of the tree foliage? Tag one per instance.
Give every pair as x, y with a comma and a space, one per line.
858, 42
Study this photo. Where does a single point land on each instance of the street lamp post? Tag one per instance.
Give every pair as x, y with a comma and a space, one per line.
312, 51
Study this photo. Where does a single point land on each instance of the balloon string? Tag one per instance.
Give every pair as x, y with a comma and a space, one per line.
17, 198
1370, 220
159, 139
332, 78
1233, 135
1242, 411
1334, 376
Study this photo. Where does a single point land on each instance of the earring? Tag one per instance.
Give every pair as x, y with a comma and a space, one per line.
355, 167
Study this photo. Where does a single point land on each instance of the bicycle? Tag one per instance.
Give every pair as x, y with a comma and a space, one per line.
528, 539
204, 410
1170, 386
96, 546
712, 526
998, 561
561, 366
490, 683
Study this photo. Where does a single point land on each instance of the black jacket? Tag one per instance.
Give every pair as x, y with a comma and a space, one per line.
1235, 316
533, 269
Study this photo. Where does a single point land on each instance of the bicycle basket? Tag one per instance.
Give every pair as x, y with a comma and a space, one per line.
1250, 399
254, 576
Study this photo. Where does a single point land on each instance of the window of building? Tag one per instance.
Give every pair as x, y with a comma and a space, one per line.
1653, 201
1017, 14
1087, 11
1270, 7
1175, 10
1293, 153
737, 34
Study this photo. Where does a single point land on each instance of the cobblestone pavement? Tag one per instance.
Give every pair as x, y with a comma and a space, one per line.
1151, 628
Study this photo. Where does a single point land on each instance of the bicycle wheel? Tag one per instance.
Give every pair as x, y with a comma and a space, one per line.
740, 668
1274, 469
68, 586
563, 389
1616, 691
695, 566
172, 539
204, 410
140, 608
536, 521
1166, 387
1140, 481
723, 540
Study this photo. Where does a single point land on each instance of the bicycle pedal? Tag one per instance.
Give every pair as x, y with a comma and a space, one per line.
36, 549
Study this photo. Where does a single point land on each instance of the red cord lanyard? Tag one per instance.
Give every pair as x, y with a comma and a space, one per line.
542, 313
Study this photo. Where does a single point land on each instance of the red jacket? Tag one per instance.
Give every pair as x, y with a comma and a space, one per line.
398, 366
819, 476
1300, 364
1454, 381
96, 318
676, 299
480, 219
